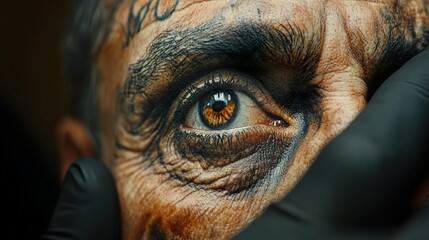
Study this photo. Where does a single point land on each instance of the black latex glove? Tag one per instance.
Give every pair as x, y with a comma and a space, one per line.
88, 206
360, 185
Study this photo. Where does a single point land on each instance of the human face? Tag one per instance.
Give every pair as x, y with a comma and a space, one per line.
212, 110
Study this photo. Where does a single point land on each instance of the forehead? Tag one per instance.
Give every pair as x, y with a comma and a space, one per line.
137, 23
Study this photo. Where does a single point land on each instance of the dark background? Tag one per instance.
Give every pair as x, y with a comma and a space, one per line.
32, 101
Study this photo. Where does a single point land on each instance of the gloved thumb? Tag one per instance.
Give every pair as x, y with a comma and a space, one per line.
88, 207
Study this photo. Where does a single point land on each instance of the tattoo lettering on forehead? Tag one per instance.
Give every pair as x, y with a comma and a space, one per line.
161, 10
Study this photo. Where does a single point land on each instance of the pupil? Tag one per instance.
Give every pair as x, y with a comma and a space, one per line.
218, 106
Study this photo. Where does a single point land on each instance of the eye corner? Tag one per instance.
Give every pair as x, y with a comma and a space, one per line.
279, 123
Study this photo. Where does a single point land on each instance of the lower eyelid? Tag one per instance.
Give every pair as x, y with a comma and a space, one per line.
223, 147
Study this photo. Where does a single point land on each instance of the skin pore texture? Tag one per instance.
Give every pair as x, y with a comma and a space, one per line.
296, 72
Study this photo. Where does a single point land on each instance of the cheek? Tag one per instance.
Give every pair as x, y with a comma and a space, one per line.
165, 193
155, 206
159, 199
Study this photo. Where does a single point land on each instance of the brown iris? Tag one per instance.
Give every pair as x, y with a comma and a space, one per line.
218, 109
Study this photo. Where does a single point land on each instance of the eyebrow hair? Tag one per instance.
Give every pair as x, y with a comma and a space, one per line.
176, 55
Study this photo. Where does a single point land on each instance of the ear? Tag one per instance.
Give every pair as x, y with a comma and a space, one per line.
74, 142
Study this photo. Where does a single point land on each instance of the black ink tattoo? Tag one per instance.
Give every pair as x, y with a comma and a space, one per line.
136, 20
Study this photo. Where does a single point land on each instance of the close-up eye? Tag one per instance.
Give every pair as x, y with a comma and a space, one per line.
231, 102
226, 109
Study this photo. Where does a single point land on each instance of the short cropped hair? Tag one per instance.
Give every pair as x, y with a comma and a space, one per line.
88, 27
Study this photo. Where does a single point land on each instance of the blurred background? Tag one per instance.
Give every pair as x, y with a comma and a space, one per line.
32, 101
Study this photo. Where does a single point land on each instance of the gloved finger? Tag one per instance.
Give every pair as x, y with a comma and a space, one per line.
376, 163
275, 224
88, 206
417, 227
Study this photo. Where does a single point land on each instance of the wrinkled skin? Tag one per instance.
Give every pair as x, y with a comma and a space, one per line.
177, 181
